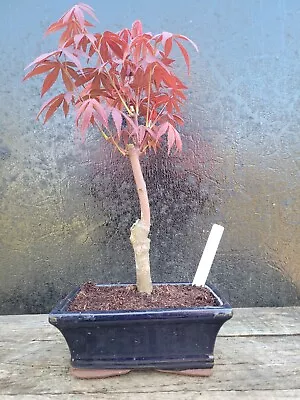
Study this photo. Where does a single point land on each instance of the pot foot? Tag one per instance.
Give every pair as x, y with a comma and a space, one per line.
97, 373
189, 372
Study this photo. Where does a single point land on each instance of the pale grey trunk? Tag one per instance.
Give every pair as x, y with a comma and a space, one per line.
141, 228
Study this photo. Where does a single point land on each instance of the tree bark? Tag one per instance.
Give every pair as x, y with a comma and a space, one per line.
141, 228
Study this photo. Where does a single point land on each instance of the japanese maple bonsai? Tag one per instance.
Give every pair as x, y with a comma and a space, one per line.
124, 85
127, 89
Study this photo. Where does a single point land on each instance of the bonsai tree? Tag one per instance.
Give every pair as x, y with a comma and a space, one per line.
124, 85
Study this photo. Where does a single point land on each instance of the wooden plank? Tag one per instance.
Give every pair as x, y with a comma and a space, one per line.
210, 395
241, 365
55, 381
261, 350
253, 361
263, 321
245, 322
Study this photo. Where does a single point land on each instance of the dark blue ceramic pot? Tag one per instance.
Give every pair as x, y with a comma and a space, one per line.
171, 339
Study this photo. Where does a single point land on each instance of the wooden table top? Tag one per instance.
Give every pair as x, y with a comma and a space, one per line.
257, 356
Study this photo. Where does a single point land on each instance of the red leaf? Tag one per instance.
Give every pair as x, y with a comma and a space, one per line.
79, 16
73, 58
162, 130
168, 46
178, 93
116, 49
43, 57
88, 10
150, 48
81, 80
104, 51
151, 132
161, 99
169, 107
178, 119
77, 39
165, 36
66, 107
171, 137
65, 37
50, 80
67, 16
56, 26
87, 23
45, 105
133, 125
40, 69
73, 73
86, 118
137, 52
68, 97
67, 81
100, 93
97, 42
162, 37
54, 106
117, 117
137, 28
125, 34
91, 37
100, 110
84, 44
185, 54
169, 79
166, 61
189, 40
178, 141
81, 106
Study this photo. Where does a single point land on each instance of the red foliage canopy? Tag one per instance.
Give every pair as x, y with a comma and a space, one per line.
123, 82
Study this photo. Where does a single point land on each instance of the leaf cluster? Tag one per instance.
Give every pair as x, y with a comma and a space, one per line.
123, 83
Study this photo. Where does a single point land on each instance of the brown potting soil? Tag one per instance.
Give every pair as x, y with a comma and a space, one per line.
115, 298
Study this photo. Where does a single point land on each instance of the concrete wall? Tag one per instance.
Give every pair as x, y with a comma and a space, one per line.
66, 208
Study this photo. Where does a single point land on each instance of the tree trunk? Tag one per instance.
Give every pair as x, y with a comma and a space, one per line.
141, 228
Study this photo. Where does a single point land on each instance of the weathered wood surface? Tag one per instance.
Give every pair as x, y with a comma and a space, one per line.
257, 356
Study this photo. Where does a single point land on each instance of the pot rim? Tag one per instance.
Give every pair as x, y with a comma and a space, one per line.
222, 311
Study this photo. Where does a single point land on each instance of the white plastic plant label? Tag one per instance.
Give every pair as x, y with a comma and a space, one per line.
208, 255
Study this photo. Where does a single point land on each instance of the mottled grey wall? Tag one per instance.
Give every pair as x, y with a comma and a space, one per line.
66, 208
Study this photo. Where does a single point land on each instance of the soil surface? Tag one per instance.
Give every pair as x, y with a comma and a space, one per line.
115, 298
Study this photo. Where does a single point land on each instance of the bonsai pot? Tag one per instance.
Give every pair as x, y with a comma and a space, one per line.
164, 339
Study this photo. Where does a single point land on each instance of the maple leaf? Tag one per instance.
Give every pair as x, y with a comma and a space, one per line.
88, 111
50, 79
52, 105
117, 118
40, 68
